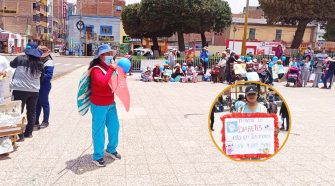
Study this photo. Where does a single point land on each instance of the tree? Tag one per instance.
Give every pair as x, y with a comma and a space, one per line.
140, 21
213, 15
330, 31
297, 12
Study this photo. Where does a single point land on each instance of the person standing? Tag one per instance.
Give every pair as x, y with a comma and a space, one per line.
12, 50
204, 58
280, 70
172, 58
330, 74
103, 108
230, 61
320, 57
285, 117
43, 98
222, 67
252, 105
190, 56
279, 51
305, 70
26, 83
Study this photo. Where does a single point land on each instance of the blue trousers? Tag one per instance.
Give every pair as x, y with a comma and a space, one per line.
330, 75
43, 103
102, 117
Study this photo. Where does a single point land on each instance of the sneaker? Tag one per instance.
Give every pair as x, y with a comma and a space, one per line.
21, 138
100, 163
44, 125
28, 135
114, 155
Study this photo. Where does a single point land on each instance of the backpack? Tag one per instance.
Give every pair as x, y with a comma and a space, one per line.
84, 92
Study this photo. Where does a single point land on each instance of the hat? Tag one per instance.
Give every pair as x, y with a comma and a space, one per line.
45, 50
206, 48
251, 89
255, 60
332, 59
227, 49
102, 49
32, 50
184, 64
177, 65
157, 65
271, 98
174, 49
241, 96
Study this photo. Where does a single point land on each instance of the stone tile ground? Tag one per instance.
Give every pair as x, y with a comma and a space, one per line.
164, 140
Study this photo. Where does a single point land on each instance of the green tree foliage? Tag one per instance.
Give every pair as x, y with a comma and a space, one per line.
297, 12
330, 31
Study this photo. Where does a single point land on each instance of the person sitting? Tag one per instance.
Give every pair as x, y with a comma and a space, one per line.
178, 73
147, 75
167, 73
215, 73
156, 74
191, 74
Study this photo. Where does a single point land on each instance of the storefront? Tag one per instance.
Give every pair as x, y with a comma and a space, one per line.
8, 40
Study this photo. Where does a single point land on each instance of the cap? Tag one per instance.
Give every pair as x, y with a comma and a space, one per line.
251, 89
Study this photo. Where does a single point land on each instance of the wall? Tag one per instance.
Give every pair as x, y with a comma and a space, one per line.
268, 33
95, 21
100, 7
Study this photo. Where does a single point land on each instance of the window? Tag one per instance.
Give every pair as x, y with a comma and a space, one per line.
118, 8
106, 30
252, 34
278, 35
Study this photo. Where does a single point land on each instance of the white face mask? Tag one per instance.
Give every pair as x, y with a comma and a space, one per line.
109, 60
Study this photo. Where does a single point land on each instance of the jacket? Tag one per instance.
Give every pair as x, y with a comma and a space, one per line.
102, 94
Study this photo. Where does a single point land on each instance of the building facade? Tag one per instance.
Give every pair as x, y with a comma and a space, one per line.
100, 7
97, 30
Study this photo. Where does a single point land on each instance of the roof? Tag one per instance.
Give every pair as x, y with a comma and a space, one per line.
237, 20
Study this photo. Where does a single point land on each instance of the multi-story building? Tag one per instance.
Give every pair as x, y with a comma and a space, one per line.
22, 20
100, 7
59, 21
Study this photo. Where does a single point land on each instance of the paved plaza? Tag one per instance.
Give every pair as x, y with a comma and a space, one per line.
164, 140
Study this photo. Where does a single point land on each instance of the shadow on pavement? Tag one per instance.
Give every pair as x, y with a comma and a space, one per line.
84, 164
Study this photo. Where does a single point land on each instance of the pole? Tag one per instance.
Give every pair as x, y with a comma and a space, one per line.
244, 42
234, 30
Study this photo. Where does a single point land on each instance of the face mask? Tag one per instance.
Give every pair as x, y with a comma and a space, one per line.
109, 60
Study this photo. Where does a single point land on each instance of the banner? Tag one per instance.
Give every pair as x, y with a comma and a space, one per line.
246, 136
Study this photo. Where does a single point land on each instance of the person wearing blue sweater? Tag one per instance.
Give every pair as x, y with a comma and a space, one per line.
204, 58
43, 99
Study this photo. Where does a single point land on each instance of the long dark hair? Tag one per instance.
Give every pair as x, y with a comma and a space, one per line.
35, 65
94, 63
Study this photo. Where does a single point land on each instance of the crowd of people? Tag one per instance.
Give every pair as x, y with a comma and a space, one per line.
231, 67
31, 84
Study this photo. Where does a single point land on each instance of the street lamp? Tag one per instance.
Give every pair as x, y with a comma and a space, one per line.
244, 42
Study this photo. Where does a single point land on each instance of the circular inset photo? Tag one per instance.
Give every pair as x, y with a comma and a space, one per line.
249, 121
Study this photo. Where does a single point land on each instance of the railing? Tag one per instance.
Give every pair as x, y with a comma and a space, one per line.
136, 61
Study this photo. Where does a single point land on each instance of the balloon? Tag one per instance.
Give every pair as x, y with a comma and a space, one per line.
275, 59
184, 68
206, 60
242, 58
161, 68
167, 62
249, 59
283, 58
125, 64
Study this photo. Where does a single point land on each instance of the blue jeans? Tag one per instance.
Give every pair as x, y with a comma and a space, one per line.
104, 116
330, 75
43, 103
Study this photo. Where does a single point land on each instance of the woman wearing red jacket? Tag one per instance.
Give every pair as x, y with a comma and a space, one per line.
103, 108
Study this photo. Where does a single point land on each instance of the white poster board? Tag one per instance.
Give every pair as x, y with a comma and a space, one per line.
249, 136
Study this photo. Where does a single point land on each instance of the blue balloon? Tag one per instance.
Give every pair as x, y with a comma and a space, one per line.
125, 64
161, 68
283, 58
167, 62
242, 58
275, 59
184, 68
206, 60
249, 59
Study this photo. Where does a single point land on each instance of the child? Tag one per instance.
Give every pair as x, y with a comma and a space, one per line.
215, 73
147, 75
280, 70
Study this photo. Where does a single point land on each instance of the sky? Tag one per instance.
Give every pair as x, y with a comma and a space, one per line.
236, 5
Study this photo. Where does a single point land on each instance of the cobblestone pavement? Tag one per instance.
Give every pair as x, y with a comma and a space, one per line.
164, 140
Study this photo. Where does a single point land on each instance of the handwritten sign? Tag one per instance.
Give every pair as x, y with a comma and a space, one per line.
249, 135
